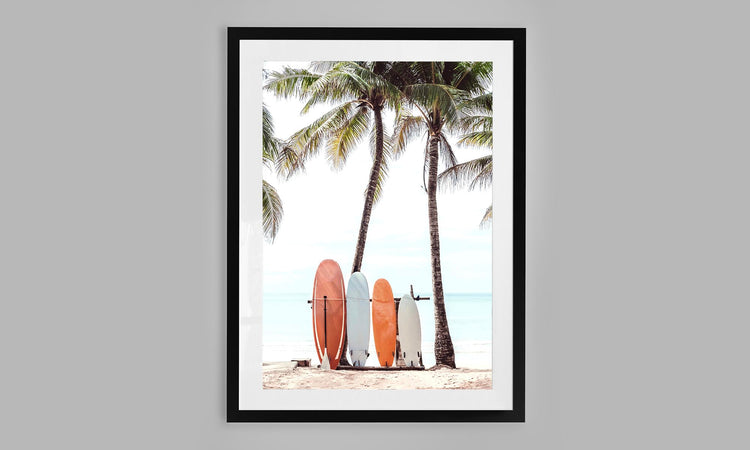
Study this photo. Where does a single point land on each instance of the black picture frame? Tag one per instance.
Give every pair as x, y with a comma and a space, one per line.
518, 38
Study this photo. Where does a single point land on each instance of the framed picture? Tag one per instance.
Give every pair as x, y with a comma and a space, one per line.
376, 224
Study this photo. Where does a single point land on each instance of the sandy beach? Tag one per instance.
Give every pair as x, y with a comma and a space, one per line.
285, 375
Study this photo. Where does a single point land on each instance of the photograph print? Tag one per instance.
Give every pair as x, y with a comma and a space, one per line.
375, 202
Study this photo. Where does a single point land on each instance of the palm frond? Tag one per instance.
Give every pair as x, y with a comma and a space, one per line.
428, 71
290, 82
289, 162
476, 124
343, 140
309, 140
437, 97
401, 74
407, 128
349, 79
384, 162
382, 176
483, 179
446, 152
335, 85
272, 211
477, 139
270, 143
479, 104
476, 115
487, 218
382, 90
472, 76
322, 66
476, 173
469, 123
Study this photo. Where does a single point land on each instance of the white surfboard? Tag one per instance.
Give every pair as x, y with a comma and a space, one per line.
410, 331
358, 318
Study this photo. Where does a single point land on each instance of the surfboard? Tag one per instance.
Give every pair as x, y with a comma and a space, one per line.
329, 313
358, 318
384, 322
409, 331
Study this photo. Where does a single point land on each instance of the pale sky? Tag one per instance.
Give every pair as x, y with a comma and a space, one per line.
323, 209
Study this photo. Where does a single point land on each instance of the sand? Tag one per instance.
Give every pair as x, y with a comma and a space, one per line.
287, 376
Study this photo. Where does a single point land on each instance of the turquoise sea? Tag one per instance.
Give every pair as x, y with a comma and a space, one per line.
288, 334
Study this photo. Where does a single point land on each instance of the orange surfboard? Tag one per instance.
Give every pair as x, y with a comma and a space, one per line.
329, 312
384, 322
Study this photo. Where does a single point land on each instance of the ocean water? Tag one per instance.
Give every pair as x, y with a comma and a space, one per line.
288, 333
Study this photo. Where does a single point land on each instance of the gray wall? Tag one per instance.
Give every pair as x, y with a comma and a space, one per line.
112, 186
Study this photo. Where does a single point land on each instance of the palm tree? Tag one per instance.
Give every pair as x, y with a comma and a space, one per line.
477, 128
437, 92
357, 90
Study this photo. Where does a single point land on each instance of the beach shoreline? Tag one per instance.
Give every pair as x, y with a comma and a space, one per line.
286, 375
473, 354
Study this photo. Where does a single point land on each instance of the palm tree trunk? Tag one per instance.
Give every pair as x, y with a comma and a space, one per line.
444, 353
370, 194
